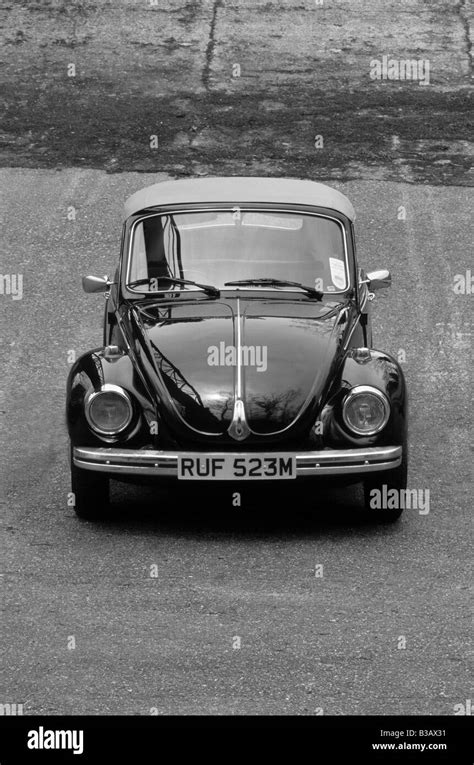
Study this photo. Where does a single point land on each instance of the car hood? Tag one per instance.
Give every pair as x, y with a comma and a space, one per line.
275, 356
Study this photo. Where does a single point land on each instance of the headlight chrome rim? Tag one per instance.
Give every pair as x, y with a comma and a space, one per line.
368, 389
108, 388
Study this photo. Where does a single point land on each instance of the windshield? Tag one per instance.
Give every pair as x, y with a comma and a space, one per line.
219, 246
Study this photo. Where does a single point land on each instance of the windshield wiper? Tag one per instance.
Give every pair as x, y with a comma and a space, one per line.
208, 288
277, 283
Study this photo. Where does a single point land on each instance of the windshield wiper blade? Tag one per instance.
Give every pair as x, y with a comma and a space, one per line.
277, 283
208, 288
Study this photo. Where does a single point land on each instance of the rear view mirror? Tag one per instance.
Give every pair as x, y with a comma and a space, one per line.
377, 280
95, 283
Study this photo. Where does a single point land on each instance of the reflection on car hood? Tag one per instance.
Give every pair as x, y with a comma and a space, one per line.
274, 355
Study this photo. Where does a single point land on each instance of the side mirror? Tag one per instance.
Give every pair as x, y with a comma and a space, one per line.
378, 280
95, 283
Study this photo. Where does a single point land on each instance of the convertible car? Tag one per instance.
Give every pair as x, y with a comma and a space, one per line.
237, 347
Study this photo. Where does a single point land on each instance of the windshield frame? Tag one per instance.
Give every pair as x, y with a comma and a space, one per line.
134, 220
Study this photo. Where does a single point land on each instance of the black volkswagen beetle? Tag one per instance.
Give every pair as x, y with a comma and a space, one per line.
237, 347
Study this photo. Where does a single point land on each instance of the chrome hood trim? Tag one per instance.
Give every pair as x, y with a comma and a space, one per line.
239, 429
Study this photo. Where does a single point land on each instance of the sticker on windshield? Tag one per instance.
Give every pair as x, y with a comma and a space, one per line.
338, 273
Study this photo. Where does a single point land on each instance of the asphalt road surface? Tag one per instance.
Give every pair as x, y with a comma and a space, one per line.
235, 620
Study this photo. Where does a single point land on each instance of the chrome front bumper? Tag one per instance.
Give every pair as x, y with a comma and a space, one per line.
148, 462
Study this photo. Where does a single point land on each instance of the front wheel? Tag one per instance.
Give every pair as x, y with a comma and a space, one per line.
91, 493
384, 492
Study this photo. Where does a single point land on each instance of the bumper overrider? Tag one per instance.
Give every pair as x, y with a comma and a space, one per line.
149, 462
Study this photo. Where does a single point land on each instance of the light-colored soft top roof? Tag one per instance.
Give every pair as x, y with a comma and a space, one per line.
239, 190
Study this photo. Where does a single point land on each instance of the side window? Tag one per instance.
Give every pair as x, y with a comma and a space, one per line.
139, 269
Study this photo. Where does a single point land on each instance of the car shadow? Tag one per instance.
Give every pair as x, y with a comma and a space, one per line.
218, 511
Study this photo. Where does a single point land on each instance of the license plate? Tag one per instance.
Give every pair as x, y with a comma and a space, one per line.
228, 467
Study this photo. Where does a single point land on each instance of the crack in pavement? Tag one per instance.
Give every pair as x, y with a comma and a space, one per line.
460, 8
206, 72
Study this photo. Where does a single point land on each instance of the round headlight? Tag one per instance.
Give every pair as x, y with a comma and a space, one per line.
365, 410
109, 410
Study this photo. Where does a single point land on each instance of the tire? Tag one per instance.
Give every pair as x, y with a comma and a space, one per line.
91, 493
392, 479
